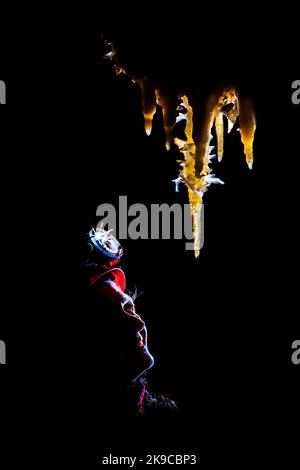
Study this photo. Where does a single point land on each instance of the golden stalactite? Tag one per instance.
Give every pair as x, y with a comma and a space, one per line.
247, 129
195, 171
148, 102
219, 123
168, 103
187, 173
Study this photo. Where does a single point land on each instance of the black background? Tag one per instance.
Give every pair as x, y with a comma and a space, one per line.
220, 327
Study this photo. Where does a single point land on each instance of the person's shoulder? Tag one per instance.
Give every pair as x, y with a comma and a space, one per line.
159, 405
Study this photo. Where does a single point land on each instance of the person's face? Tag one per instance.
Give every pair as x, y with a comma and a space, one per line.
129, 335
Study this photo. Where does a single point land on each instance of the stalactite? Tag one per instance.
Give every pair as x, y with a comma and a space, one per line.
195, 171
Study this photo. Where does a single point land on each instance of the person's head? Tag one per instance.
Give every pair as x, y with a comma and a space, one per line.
121, 334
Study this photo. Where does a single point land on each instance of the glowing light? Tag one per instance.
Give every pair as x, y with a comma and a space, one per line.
104, 241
